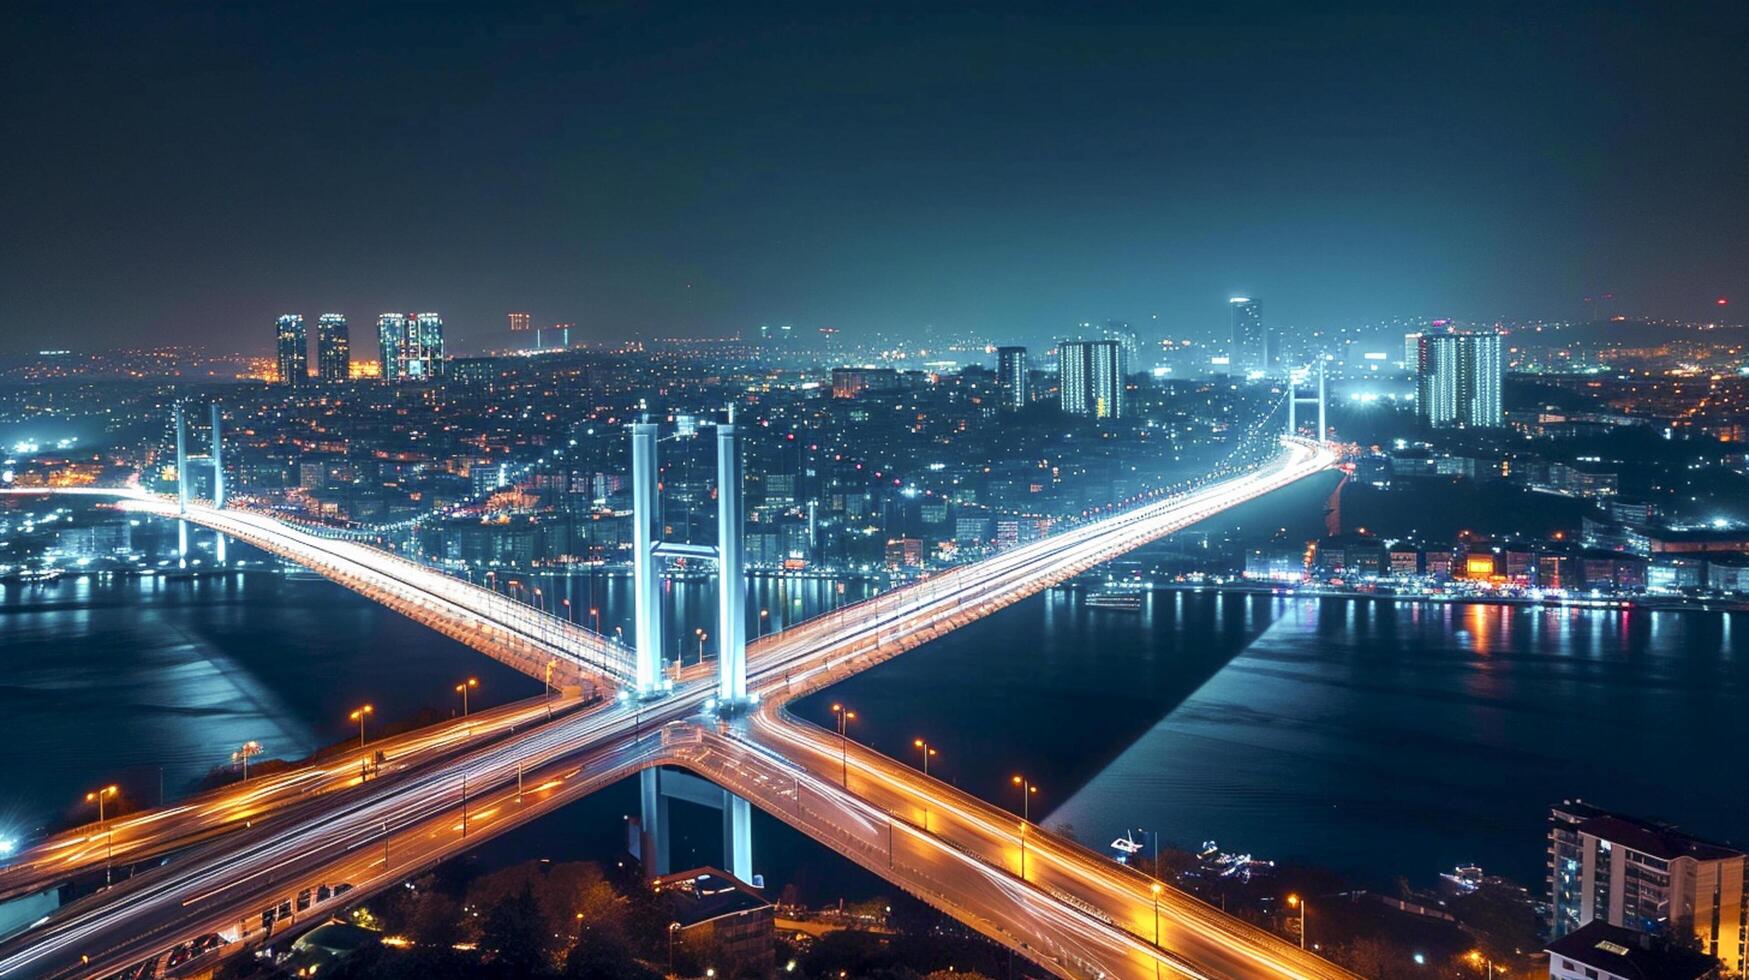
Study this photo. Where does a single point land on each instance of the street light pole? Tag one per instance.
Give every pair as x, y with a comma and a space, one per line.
462, 689
358, 716
1027, 789
844, 717
923, 747
98, 796
1156, 888
1294, 901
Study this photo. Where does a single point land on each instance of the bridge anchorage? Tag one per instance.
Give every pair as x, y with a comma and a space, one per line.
649, 550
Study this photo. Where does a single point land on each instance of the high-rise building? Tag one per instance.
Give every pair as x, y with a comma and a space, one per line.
411, 346
333, 348
519, 322
1091, 377
293, 348
1648, 877
1012, 380
1458, 377
1249, 353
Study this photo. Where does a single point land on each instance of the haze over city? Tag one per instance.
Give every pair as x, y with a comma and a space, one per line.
184, 175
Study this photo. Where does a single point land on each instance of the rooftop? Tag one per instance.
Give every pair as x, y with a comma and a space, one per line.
1626, 953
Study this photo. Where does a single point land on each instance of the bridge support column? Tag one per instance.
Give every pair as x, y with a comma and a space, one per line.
1292, 425
1322, 431
731, 573
657, 787
646, 571
181, 462
653, 824
218, 461
738, 837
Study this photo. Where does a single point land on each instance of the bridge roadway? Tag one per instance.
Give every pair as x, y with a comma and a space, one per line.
231, 880
511, 632
146, 835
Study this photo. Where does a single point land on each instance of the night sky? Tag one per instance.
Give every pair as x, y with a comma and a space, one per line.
179, 174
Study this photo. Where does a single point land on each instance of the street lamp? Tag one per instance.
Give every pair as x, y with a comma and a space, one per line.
595, 613
924, 748
1156, 888
98, 796
1478, 958
845, 716
1027, 790
1295, 902
764, 617
702, 636
242, 755
358, 716
462, 689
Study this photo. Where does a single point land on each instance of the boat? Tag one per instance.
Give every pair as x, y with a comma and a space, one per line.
1125, 846
1115, 601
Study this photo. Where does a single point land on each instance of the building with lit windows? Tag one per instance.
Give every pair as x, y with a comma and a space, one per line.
1647, 877
411, 346
1091, 378
1012, 379
292, 345
519, 322
333, 348
1249, 353
1458, 379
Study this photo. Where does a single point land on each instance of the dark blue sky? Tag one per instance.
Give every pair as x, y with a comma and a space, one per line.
183, 174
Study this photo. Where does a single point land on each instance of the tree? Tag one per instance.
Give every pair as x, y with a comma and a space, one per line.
516, 936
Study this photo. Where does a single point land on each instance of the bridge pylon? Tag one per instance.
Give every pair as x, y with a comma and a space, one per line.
648, 551
1295, 399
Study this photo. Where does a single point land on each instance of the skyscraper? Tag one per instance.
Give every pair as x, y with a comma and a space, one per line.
411, 346
333, 348
1458, 378
1092, 376
293, 348
1012, 380
1249, 353
519, 322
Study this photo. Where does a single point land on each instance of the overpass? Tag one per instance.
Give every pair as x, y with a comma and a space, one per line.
1066, 893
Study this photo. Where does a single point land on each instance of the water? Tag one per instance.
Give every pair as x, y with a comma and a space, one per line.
1375, 738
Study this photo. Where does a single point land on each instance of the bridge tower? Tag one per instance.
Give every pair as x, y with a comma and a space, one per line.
648, 550
1294, 399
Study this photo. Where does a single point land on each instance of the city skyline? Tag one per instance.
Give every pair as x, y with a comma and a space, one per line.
1044, 168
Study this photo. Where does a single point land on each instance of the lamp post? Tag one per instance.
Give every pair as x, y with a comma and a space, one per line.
1027, 789
845, 716
1156, 888
98, 796
764, 619
1479, 958
1296, 902
249, 748
923, 747
462, 689
358, 716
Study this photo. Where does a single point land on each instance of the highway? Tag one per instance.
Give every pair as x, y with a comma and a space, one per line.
147, 835
1071, 893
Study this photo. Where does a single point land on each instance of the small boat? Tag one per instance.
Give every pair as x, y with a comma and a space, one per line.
1125, 846
1117, 601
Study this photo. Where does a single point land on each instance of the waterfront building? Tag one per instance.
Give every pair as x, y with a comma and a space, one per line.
1458, 380
1012, 379
1249, 351
292, 345
333, 348
1092, 378
1646, 877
